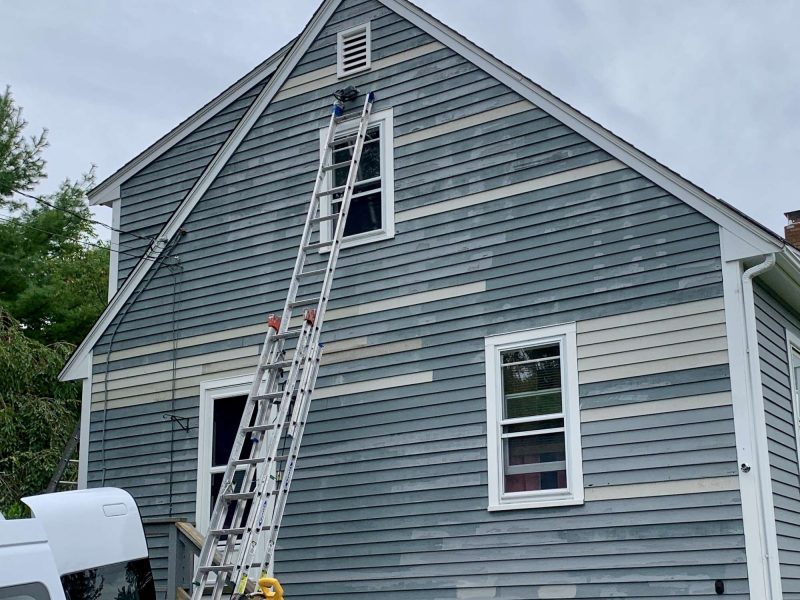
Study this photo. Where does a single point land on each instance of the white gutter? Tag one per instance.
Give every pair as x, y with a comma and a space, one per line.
755, 400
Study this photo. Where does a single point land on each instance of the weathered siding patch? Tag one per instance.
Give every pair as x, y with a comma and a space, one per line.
772, 320
673, 338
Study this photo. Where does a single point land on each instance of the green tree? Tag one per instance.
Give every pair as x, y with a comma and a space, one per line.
53, 271
53, 274
21, 162
37, 413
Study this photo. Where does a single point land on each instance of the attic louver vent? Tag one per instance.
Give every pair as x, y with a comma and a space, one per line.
353, 51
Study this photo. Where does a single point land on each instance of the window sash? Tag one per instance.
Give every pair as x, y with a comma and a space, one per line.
570, 490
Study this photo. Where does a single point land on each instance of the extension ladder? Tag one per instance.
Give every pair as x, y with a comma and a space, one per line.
249, 507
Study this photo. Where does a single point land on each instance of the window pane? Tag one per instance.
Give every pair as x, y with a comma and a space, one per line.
535, 463
365, 209
531, 353
370, 164
227, 415
365, 214
532, 389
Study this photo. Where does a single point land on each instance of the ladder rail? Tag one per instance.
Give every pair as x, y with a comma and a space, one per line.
252, 470
278, 401
298, 423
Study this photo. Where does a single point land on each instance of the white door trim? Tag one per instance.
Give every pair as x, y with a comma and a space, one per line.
209, 392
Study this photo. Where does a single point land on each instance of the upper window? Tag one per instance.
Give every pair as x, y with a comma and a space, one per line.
371, 214
353, 51
534, 428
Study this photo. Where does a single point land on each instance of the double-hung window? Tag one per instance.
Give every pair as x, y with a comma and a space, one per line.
371, 215
533, 416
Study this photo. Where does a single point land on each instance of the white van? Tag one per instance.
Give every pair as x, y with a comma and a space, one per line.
79, 545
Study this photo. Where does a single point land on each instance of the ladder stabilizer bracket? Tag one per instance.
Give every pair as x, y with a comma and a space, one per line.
274, 322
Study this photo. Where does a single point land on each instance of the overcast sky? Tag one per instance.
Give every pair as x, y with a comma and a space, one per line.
711, 88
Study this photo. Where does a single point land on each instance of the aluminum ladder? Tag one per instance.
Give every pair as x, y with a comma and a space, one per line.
249, 507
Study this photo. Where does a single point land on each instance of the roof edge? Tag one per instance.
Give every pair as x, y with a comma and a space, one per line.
108, 190
714, 208
72, 369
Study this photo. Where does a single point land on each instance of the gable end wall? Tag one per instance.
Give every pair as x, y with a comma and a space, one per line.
506, 220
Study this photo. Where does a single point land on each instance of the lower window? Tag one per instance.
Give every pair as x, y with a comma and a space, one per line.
534, 429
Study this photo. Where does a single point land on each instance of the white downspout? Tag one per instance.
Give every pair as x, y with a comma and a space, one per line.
766, 511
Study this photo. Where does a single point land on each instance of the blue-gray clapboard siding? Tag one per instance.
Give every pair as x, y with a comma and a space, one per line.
772, 320
152, 195
391, 492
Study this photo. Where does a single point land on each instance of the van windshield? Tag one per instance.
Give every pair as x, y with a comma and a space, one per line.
132, 580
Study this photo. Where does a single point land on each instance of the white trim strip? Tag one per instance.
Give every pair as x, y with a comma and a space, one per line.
651, 314
458, 124
663, 488
372, 385
655, 407
510, 190
678, 363
657, 353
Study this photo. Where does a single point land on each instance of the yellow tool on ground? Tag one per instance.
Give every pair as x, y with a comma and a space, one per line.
276, 591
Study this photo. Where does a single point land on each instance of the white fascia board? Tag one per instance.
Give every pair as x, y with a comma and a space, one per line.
704, 203
71, 371
108, 190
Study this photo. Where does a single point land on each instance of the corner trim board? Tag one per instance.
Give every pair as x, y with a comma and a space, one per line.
763, 572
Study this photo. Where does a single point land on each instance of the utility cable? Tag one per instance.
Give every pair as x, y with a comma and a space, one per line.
84, 243
150, 275
82, 218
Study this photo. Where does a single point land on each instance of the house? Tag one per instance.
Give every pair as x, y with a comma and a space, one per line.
553, 369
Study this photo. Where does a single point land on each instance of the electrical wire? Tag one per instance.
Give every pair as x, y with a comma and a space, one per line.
82, 218
84, 243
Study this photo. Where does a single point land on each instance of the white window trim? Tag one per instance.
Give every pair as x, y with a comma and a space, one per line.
340, 74
793, 345
566, 335
210, 391
385, 120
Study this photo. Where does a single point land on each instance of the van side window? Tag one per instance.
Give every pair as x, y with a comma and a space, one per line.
27, 591
131, 580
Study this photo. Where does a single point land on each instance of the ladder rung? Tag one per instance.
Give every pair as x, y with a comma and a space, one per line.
313, 272
279, 365
317, 245
226, 532
304, 302
330, 217
256, 428
339, 165
215, 568
248, 461
239, 496
334, 190
270, 396
287, 334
